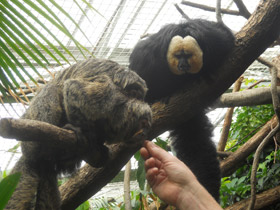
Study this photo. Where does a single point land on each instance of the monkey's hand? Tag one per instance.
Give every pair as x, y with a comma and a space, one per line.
94, 152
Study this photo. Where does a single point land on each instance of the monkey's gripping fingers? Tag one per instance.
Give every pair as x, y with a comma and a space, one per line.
137, 121
88, 148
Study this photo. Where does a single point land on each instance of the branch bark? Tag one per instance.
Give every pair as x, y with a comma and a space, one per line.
242, 9
235, 160
260, 148
257, 96
126, 182
29, 130
263, 199
228, 118
210, 9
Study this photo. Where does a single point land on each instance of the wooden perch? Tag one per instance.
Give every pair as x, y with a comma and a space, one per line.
263, 199
33, 130
257, 96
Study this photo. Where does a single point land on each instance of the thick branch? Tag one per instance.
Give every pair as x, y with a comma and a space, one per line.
90, 180
257, 96
29, 130
263, 199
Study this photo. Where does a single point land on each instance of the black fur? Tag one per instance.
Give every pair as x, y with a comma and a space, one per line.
192, 140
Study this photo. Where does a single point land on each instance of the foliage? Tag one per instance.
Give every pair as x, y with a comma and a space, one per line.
7, 187
26, 36
141, 175
140, 199
84, 206
247, 121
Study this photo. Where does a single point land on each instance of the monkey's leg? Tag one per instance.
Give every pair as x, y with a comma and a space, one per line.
48, 196
193, 145
24, 195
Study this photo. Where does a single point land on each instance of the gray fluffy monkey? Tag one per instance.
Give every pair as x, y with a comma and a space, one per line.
103, 102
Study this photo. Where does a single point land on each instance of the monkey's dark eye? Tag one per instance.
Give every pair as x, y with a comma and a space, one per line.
178, 56
134, 91
135, 94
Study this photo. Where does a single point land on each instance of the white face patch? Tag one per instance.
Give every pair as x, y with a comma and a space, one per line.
188, 45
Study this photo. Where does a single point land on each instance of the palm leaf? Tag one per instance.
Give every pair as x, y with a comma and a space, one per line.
24, 46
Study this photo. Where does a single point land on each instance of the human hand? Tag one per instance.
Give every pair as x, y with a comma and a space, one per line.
173, 181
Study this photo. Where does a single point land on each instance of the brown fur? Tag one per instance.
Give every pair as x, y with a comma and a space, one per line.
103, 100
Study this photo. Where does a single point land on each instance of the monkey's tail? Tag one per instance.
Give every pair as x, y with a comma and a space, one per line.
193, 145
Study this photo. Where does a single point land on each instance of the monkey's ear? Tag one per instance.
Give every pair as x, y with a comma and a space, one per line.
185, 46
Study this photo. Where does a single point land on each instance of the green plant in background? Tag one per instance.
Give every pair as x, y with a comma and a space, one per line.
7, 187
84, 206
141, 175
24, 35
247, 122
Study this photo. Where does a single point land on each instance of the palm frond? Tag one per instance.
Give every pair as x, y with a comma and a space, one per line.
27, 43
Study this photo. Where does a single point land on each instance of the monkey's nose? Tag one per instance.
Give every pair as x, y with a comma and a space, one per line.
183, 67
144, 123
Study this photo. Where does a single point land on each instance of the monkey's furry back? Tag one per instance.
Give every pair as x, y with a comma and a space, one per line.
191, 140
101, 98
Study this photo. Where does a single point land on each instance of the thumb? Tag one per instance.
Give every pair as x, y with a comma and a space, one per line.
156, 151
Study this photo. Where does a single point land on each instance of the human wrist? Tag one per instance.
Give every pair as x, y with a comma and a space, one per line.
195, 197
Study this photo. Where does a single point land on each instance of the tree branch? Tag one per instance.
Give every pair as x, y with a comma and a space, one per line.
263, 199
218, 11
228, 118
243, 11
181, 12
260, 148
257, 96
29, 130
234, 161
210, 9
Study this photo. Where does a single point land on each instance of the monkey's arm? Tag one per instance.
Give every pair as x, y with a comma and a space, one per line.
99, 103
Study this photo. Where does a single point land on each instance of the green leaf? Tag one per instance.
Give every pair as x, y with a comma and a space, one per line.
21, 44
30, 14
7, 51
16, 31
67, 15
7, 187
19, 52
141, 174
90, 6
137, 155
84, 206
59, 24
18, 23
